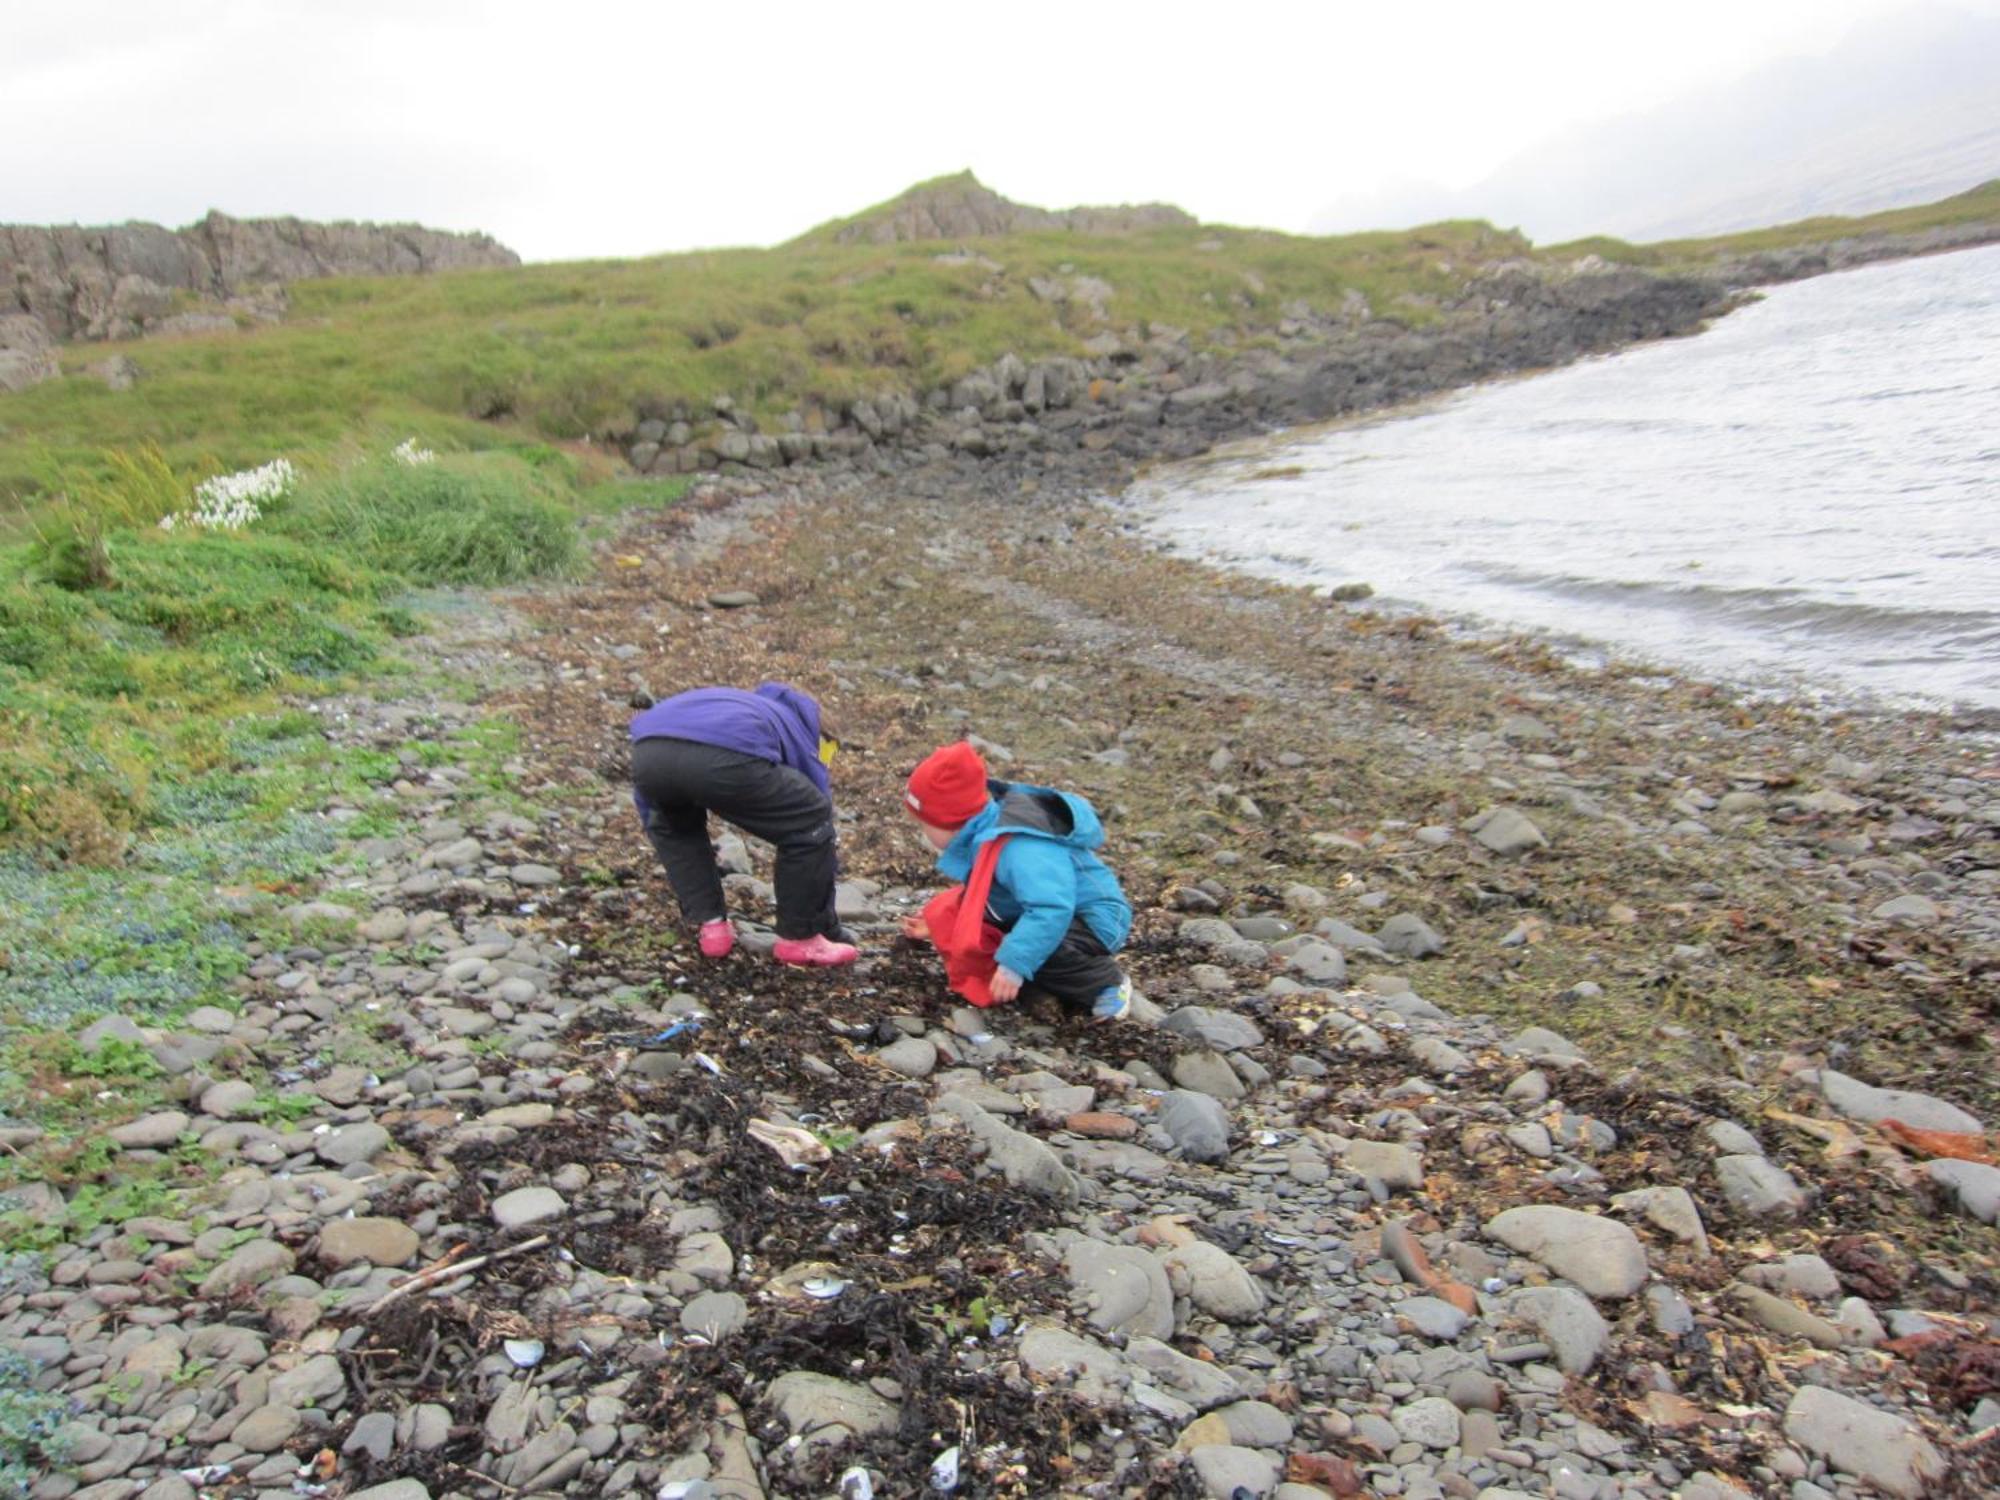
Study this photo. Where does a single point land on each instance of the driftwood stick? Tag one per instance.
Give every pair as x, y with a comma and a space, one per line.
424, 1280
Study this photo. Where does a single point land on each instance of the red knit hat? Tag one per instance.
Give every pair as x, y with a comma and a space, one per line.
949, 788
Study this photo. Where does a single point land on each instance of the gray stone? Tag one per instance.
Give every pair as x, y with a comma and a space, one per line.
1863, 1440
1861, 1101
228, 1099
370, 1241
1539, 1041
1123, 1289
1023, 1160
395, 1489
1321, 963
715, 1315
249, 1265
528, 1205
823, 1409
374, 1434
1788, 1318
1912, 910
1197, 1382
110, 1029
535, 875
1507, 831
154, 1132
1758, 1189
1198, 1124
314, 1383
1567, 1322
1409, 936
1223, 1030
1601, 1256
1801, 1275
1433, 1317
349, 1144
1975, 1185
1672, 1209
1256, 1424
1439, 1057
1471, 1390
1087, 1367
912, 1056
1431, 1421
267, 1429
1227, 1472
1731, 1139
1214, 1281
1208, 1073
1397, 1165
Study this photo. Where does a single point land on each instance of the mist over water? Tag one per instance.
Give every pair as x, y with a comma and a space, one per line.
1805, 497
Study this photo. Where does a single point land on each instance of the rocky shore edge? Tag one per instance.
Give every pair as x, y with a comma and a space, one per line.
1149, 392
561, 1211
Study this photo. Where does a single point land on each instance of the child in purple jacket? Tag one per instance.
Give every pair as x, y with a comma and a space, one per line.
757, 760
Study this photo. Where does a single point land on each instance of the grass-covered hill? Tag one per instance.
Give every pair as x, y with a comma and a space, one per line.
122, 643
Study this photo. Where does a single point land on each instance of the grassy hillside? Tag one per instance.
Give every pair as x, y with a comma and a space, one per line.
563, 352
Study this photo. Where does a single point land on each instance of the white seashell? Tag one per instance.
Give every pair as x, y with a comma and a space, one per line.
944, 1473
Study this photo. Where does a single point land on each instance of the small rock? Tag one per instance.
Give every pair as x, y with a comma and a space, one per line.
528, 1205
1974, 1184
1198, 1124
1431, 1421
715, 1315
912, 1056
1227, 1472
1507, 831
1409, 936
1757, 1188
370, 1241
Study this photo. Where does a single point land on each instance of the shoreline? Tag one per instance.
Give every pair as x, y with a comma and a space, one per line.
438, 1061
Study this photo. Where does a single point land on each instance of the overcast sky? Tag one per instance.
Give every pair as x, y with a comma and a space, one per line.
597, 128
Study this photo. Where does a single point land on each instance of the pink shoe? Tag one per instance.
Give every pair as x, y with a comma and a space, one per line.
815, 952
717, 938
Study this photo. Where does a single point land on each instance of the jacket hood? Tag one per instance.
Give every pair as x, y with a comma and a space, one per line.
798, 704
1047, 813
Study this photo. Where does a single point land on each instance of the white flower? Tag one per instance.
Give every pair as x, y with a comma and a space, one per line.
407, 452
229, 502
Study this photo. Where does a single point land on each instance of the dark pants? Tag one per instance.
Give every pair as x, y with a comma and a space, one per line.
1080, 969
684, 782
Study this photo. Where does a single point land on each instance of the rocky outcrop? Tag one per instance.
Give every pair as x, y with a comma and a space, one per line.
963, 207
27, 354
118, 281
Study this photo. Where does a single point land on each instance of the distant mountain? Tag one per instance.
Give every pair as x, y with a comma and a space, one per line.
962, 207
1905, 110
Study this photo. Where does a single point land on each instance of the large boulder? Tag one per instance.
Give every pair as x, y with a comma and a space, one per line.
1601, 1256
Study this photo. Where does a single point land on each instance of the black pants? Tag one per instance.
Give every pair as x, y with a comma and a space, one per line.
1080, 969
684, 782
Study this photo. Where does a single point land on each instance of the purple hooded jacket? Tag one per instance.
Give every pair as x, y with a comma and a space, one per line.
777, 723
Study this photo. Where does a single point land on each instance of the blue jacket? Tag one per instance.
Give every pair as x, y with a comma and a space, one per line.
1047, 875
777, 723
